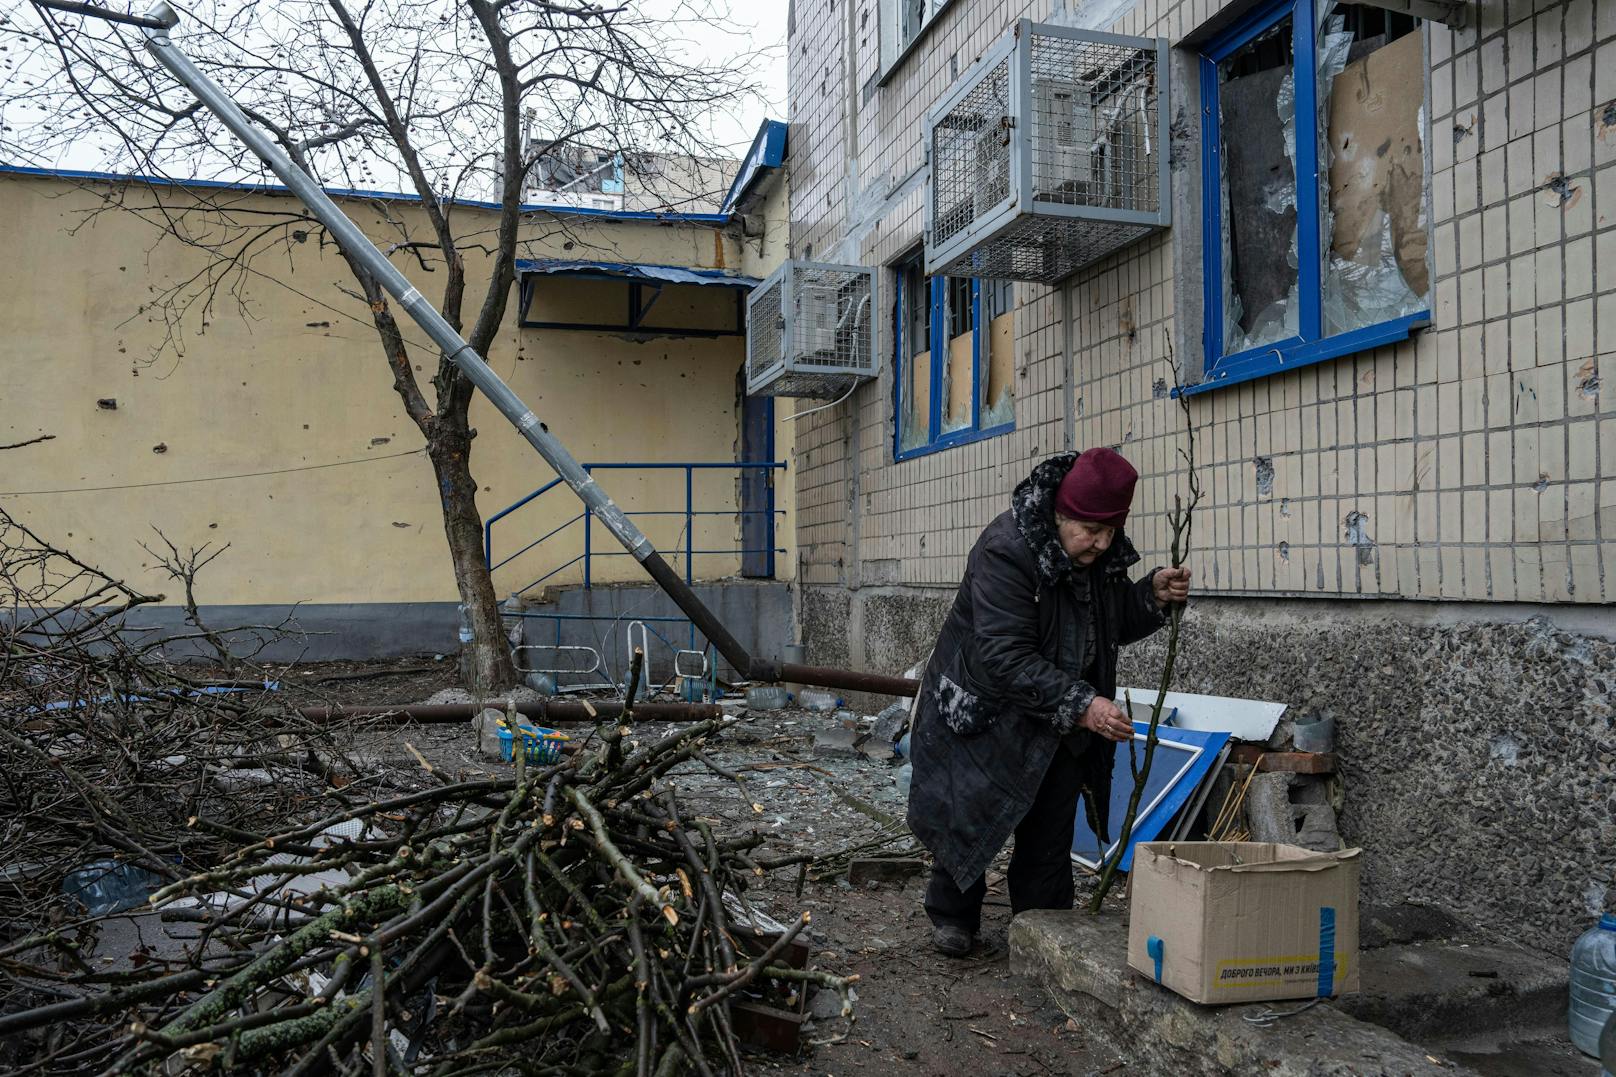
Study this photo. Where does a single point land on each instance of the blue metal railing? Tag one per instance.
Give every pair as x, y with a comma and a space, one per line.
689, 513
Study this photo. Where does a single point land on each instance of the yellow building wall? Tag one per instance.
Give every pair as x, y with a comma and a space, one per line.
269, 422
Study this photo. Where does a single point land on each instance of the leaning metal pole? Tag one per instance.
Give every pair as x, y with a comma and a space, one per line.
155, 24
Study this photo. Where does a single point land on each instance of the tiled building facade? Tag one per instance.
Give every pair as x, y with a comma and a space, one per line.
1452, 494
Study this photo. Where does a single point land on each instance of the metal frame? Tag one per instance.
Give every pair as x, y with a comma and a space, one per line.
937, 288
1310, 345
783, 281
689, 512
1194, 752
1019, 204
637, 309
598, 665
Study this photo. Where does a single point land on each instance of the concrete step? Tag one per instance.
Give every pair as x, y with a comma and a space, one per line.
1435, 991
1082, 961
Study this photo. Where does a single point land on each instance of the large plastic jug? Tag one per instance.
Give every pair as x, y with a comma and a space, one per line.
1593, 984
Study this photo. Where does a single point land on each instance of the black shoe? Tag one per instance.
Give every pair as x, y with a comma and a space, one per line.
951, 941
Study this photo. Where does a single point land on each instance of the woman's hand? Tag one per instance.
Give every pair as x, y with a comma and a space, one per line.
1171, 586
1106, 718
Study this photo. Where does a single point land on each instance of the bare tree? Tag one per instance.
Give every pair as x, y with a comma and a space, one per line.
432, 98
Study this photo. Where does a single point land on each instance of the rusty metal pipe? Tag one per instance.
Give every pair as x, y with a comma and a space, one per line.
547, 711
848, 680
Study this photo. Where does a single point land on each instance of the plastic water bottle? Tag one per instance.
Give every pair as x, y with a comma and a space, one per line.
815, 699
766, 697
1593, 984
905, 775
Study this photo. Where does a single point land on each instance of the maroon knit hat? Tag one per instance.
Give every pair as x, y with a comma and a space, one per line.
1099, 487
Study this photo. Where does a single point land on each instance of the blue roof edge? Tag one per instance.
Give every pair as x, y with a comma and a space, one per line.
767, 153
672, 274
345, 192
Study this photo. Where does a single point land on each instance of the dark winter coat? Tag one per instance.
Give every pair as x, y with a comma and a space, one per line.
1004, 683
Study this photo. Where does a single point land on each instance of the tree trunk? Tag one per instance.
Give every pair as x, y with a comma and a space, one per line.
485, 662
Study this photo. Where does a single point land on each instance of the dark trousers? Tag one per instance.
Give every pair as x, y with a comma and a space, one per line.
1040, 864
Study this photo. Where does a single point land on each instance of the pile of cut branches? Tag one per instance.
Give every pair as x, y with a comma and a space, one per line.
568, 918
112, 753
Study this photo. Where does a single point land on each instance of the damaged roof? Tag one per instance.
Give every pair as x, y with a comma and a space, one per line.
664, 274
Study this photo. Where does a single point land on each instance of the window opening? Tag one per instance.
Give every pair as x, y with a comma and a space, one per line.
1297, 271
998, 404
915, 309
954, 359
959, 396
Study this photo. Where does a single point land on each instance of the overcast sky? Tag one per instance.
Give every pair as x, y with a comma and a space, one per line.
751, 32
752, 24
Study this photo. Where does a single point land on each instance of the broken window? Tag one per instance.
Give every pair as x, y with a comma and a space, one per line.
998, 397
902, 22
958, 382
1296, 270
914, 358
954, 352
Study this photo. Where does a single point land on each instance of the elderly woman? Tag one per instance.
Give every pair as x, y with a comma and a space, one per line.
1016, 715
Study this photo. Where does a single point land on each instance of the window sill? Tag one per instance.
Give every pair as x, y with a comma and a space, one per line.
891, 69
948, 441
1282, 358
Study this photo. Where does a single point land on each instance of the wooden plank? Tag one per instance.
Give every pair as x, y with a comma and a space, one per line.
1282, 762
767, 1027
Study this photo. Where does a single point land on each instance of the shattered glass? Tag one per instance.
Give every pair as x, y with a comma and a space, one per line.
1371, 174
1257, 117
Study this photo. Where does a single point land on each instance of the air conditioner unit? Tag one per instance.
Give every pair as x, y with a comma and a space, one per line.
1063, 165
1075, 169
809, 330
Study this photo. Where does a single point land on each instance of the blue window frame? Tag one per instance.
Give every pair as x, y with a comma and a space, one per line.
1316, 289
954, 360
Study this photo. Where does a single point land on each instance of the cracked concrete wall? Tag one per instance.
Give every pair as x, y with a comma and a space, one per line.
1479, 758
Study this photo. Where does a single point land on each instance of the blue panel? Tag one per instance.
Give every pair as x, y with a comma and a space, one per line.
767, 152
1309, 285
1261, 362
1163, 775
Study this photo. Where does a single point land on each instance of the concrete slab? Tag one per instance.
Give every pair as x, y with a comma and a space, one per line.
1431, 992
1081, 960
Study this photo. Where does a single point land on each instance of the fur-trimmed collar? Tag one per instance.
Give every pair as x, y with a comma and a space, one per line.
1033, 505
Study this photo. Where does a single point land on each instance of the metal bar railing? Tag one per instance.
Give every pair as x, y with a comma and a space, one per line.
689, 512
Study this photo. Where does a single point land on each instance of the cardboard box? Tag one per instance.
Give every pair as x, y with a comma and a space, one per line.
1226, 922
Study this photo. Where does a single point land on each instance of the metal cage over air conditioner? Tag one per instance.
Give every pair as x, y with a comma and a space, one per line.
1048, 154
808, 330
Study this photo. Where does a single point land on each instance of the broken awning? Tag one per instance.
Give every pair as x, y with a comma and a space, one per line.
661, 274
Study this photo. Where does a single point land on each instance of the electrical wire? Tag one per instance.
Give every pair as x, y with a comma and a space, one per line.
211, 478
794, 416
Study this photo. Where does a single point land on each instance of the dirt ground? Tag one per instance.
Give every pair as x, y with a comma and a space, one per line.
915, 1010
